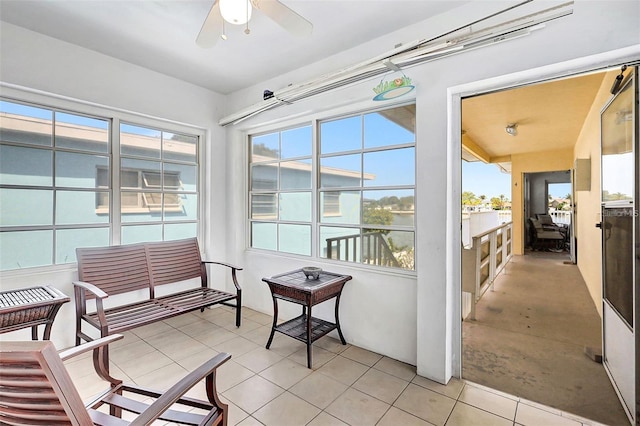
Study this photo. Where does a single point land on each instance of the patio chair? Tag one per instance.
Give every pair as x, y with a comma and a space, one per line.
36, 389
545, 238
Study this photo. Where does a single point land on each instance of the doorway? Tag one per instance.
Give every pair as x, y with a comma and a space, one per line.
523, 165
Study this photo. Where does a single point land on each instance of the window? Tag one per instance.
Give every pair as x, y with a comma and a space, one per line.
59, 186
158, 184
363, 179
280, 192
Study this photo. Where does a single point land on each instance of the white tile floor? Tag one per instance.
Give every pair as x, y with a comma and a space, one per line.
347, 385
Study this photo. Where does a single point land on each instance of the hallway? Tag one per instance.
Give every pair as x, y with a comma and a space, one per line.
529, 337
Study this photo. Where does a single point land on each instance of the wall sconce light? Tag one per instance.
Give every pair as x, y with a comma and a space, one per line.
512, 129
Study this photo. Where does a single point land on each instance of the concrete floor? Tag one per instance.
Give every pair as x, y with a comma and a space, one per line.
529, 337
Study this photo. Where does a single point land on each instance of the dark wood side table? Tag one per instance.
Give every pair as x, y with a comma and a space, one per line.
295, 287
30, 307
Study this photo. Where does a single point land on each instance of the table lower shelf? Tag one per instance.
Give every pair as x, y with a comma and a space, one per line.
297, 328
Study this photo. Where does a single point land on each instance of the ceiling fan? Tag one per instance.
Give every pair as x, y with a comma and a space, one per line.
238, 12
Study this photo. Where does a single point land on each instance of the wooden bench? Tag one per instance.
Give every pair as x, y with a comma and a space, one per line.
139, 270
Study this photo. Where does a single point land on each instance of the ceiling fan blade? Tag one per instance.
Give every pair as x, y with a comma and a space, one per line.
211, 28
284, 16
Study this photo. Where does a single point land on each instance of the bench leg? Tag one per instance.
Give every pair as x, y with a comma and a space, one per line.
238, 309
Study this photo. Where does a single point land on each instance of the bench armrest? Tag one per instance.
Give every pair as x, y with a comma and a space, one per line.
92, 288
175, 393
233, 271
228, 265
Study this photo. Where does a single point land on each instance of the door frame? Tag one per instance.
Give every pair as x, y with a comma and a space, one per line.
455, 94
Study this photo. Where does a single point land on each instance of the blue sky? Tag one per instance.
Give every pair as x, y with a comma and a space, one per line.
487, 179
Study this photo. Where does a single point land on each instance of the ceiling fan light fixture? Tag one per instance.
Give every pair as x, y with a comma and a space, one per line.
512, 129
236, 12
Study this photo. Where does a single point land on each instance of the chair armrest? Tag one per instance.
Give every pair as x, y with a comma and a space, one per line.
92, 288
173, 394
86, 347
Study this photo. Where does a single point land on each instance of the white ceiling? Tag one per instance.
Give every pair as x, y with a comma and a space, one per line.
160, 34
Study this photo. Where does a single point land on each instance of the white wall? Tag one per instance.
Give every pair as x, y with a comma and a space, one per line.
47, 65
422, 313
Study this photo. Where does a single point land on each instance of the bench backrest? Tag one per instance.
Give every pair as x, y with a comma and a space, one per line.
173, 261
121, 269
115, 269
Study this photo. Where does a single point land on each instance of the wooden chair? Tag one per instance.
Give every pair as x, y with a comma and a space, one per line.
35, 389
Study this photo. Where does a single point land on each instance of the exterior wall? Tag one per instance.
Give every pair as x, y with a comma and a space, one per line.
587, 203
546, 161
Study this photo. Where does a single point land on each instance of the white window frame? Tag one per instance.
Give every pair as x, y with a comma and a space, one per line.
62, 104
316, 191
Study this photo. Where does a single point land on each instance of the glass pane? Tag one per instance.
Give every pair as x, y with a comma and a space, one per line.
179, 231
295, 239
340, 207
102, 202
340, 171
180, 206
264, 206
26, 166
390, 127
67, 240
26, 207
140, 141
265, 147
141, 206
295, 174
18, 252
78, 207
296, 142
132, 234
340, 243
264, 236
390, 167
82, 133
295, 206
131, 175
388, 248
25, 124
617, 147
180, 177
79, 170
264, 176
179, 147
341, 135
394, 207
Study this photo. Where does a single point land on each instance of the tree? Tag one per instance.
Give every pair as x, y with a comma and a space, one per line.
262, 149
377, 216
497, 203
469, 198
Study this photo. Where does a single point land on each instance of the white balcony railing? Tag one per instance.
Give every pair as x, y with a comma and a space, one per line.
561, 217
488, 254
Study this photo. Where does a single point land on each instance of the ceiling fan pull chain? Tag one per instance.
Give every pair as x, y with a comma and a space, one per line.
247, 30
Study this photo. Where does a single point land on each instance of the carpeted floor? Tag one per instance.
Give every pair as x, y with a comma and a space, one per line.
529, 337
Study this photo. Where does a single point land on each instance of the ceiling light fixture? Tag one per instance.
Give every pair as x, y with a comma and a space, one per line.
512, 129
236, 12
